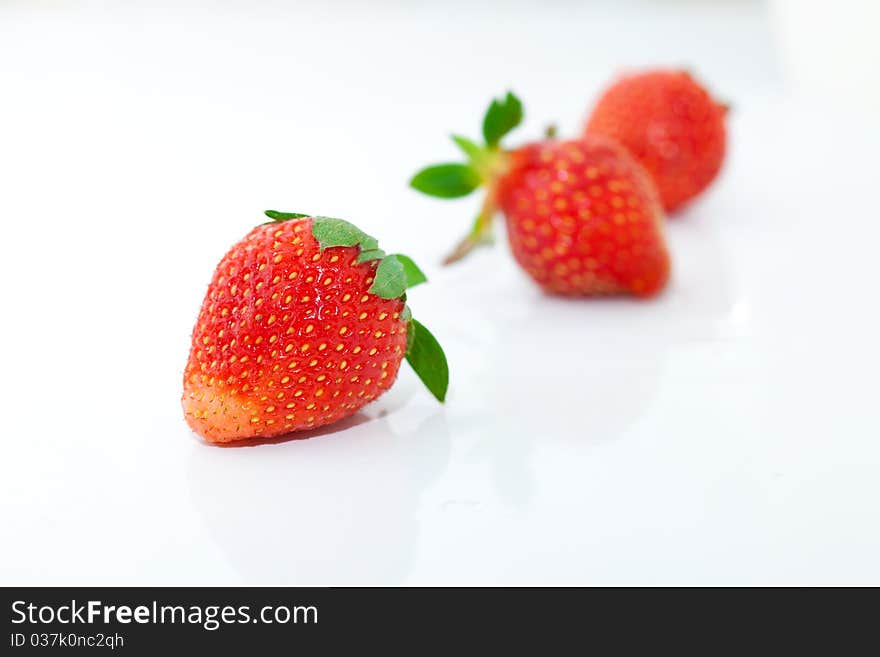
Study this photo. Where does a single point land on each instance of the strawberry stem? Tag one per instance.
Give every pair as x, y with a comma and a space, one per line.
486, 165
479, 235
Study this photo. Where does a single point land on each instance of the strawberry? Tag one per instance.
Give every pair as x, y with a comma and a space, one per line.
672, 127
583, 217
305, 321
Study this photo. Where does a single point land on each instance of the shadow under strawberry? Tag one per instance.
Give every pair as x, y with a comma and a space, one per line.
328, 511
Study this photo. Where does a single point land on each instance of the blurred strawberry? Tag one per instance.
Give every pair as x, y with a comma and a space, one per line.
582, 215
671, 125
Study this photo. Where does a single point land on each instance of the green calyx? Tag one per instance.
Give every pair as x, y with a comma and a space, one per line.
393, 276
484, 164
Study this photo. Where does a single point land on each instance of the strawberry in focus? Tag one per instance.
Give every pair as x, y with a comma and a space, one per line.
305, 321
583, 217
671, 125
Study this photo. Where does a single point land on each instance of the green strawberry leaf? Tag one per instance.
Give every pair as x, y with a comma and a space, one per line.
274, 215
468, 147
394, 275
414, 275
426, 357
372, 254
406, 315
338, 232
502, 116
390, 279
446, 180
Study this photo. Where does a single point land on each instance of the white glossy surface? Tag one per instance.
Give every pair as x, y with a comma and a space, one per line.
725, 433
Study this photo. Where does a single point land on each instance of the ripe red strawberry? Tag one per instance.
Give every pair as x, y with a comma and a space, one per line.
304, 322
583, 217
672, 127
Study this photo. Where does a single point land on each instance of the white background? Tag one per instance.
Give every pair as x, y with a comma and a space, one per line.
725, 433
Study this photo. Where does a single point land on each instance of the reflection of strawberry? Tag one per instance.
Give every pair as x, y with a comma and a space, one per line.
672, 127
582, 216
304, 322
